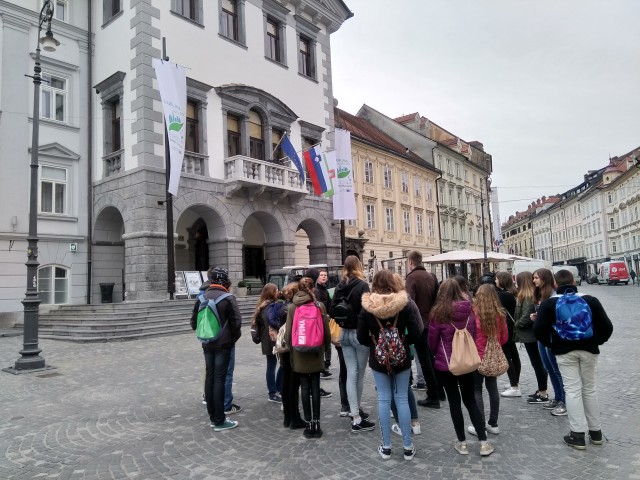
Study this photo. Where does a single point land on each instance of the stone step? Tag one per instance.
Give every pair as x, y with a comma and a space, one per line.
122, 330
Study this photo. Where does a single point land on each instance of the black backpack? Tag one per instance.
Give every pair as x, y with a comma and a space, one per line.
343, 313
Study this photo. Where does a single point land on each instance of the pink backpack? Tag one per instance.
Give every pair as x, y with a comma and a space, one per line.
307, 329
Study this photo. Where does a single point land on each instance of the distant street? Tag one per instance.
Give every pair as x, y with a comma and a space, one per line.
133, 410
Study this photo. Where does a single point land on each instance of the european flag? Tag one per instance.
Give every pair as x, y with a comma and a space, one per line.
290, 151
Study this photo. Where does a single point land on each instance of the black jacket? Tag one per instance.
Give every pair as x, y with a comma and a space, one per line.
508, 302
322, 295
230, 318
546, 319
353, 289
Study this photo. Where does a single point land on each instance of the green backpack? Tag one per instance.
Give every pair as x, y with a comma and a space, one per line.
208, 326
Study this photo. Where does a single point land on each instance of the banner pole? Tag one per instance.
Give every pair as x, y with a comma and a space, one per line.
171, 275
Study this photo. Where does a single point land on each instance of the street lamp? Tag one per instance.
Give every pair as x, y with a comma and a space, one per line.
30, 359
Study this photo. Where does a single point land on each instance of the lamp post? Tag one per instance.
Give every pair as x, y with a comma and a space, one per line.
30, 359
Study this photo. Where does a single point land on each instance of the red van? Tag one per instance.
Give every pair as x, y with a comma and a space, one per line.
613, 272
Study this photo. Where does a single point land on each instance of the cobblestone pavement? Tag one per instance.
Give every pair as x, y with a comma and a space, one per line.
133, 410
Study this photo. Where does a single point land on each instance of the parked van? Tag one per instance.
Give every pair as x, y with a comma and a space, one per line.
613, 272
572, 269
528, 266
285, 275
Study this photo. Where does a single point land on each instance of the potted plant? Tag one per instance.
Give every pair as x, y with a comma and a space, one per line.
241, 289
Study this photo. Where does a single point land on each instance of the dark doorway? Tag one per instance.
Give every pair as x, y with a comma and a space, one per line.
254, 265
199, 235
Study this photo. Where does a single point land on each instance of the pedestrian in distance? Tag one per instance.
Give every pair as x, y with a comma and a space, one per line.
345, 308
388, 323
217, 352
422, 287
451, 312
575, 339
525, 307
544, 287
260, 322
308, 363
632, 274
490, 323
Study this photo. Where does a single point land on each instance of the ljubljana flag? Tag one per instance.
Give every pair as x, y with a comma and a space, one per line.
318, 172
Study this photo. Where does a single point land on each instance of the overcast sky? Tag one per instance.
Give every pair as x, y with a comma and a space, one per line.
550, 87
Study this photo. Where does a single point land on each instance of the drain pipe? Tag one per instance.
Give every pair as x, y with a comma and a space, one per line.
89, 150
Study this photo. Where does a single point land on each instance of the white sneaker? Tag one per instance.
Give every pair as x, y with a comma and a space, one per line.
416, 430
461, 447
395, 428
511, 392
472, 430
495, 430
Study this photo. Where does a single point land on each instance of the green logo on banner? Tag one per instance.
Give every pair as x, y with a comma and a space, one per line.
175, 123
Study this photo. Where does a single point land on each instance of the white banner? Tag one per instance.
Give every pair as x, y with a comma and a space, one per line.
172, 83
344, 200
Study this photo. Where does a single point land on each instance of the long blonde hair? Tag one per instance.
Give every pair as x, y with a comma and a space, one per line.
524, 280
268, 295
352, 268
487, 307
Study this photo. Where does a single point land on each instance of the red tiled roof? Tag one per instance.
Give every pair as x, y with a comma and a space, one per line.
406, 118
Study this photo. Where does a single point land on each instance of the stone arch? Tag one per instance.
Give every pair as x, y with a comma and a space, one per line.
201, 237
108, 252
313, 233
263, 243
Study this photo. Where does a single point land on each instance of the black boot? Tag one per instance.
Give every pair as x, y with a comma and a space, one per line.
287, 421
297, 423
575, 440
596, 437
308, 432
317, 431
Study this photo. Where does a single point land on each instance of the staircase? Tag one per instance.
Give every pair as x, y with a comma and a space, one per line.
123, 321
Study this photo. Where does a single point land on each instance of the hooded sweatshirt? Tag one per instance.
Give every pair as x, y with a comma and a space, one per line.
385, 307
441, 334
307, 362
353, 290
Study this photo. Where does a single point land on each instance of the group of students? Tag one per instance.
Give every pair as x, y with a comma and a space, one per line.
385, 325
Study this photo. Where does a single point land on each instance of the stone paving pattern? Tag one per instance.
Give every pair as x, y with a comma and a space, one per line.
133, 410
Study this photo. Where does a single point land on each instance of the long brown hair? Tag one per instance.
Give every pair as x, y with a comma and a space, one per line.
506, 282
385, 282
487, 307
352, 268
307, 285
524, 280
268, 294
449, 292
288, 291
546, 290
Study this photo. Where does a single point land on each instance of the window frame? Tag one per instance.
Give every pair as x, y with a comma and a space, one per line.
419, 224
370, 212
275, 14
404, 182
65, 18
406, 221
54, 92
110, 10
51, 294
194, 13
55, 183
368, 172
389, 217
387, 176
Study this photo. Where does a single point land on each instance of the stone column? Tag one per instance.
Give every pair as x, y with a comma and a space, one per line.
279, 254
227, 253
145, 270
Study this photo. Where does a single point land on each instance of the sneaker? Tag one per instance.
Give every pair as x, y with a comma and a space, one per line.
575, 440
234, 409
419, 386
493, 429
325, 394
511, 392
363, 415
363, 426
538, 400
596, 437
276, 398
551, 405
472, 430
395, 428
415, 429
325, 374
384, 452
461, 447
486, 449
429, 403
204, 400
226, 425
560, 410
409, 453
534, 394
345, 411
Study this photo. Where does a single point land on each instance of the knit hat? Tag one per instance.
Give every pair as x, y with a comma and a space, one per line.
219, 276
313, 274
488, 278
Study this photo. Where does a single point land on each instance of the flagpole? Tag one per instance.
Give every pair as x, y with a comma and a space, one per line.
279, 142
171, 276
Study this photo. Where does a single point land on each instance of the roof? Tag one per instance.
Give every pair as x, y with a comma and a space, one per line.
362, 129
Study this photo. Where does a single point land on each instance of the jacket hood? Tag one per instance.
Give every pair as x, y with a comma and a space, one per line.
301, 298
461, 310
384, 305
348, 286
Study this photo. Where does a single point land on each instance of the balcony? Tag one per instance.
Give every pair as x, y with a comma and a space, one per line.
194, 163
258, 177
112, 163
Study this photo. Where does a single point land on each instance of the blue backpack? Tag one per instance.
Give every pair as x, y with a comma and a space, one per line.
573, 317
273, 314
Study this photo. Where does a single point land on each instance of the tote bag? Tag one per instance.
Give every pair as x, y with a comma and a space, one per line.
464, 354
494, 363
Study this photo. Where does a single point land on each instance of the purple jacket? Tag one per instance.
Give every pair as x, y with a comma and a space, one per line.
442, 333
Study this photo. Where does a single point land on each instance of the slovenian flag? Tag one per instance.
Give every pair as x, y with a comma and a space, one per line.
318, 172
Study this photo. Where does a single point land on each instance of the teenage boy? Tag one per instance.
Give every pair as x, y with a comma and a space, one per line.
577, 359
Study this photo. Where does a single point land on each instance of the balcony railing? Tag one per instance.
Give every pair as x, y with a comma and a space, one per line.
194, 163
112, 163
260, 176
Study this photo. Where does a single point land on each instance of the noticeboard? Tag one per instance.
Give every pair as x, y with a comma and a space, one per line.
180, 285
194, 281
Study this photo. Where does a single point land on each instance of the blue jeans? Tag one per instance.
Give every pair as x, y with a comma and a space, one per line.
419, 375
356, 357
394, 387
413, 409
217, 362
551, 366
228, 381
274, 380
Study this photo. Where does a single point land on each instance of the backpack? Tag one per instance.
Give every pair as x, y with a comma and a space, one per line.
307, 329
464, 353
573, 317
343, 313
281, 344
208, 328
389, 350
494, 363
273, 314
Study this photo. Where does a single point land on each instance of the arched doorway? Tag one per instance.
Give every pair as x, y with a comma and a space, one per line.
312, 235
108, 258
253, 258
199, 228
